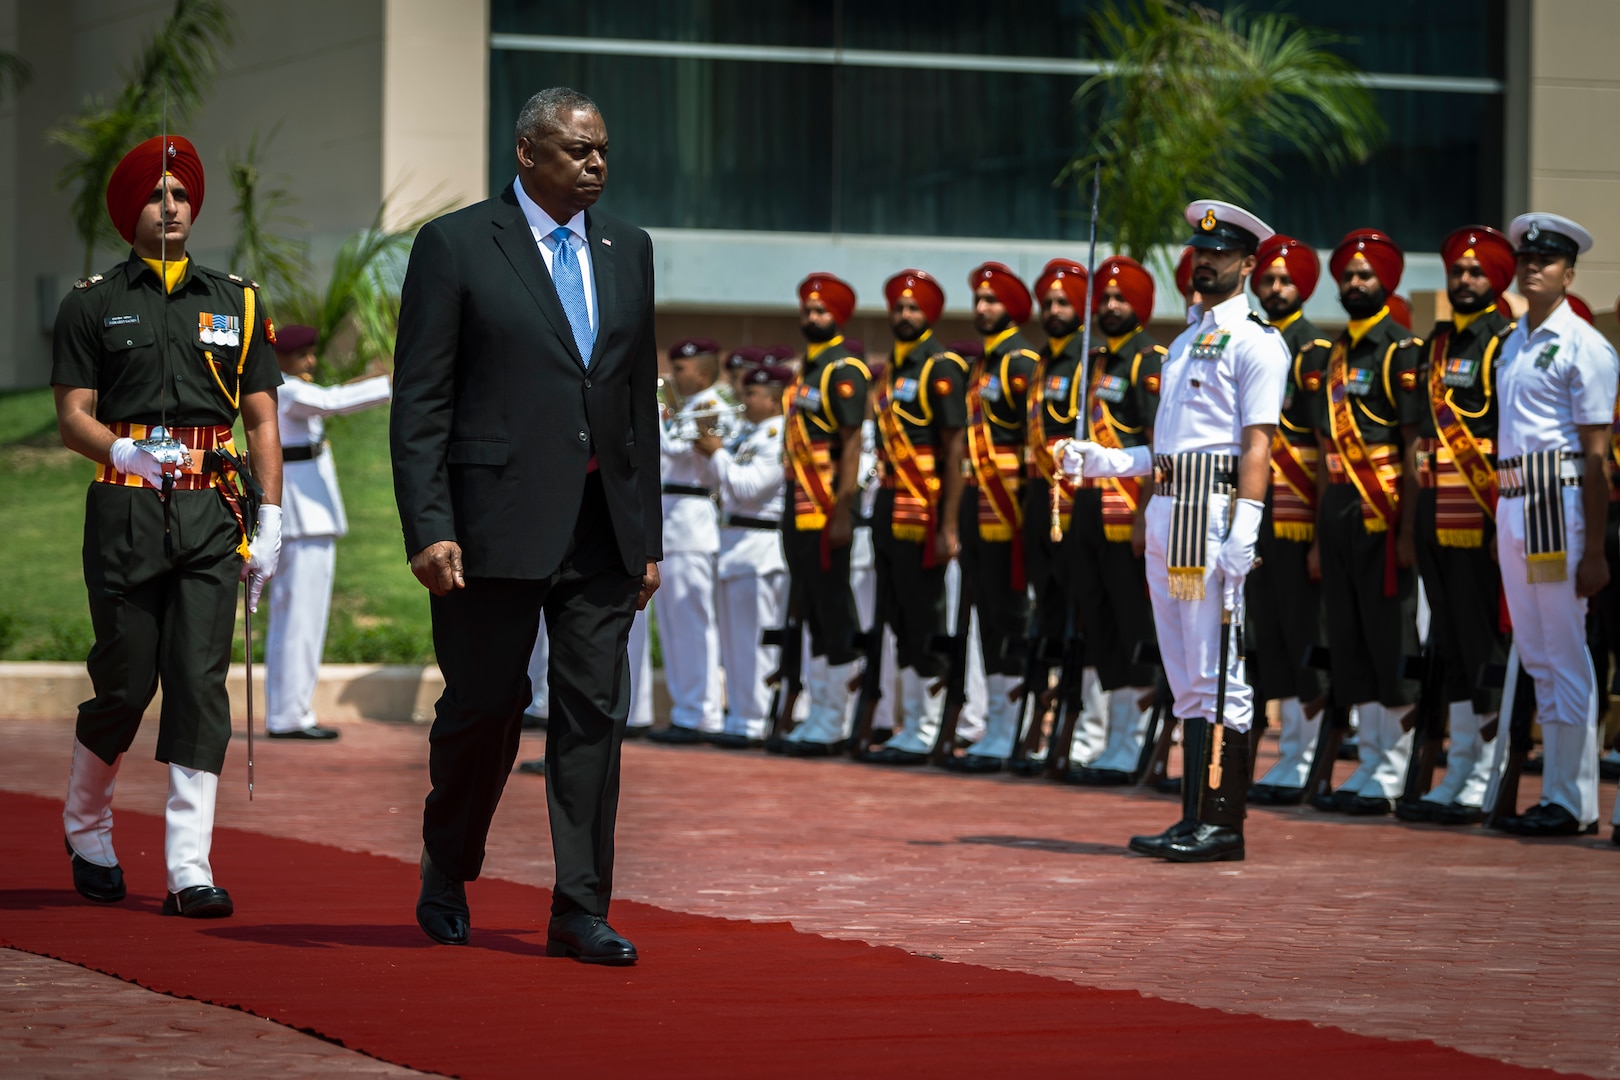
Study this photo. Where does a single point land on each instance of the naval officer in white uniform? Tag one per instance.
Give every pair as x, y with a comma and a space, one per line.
312, 519
1556, 380
752, 596
1221, 393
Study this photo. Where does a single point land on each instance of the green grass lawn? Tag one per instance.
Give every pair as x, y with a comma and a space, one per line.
379, 612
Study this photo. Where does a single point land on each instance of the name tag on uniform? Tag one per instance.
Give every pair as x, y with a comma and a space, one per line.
809, 399
1461, 372
1111, 388
992, 389
1057, 388
219, 329
1544, 361
905, 389
1210, 346
1359, 381
121, 320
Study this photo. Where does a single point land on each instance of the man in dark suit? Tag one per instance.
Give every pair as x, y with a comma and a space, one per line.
525, 450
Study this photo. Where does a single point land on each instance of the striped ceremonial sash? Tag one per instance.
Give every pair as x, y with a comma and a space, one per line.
1293, 489
1189, 479
917, 493
1457, 523
1040, 447
1000, 517
1120, 494
811, 466
1378, 490
1541, 478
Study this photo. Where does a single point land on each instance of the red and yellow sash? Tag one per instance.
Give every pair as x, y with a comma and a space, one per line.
916, 495
1040, 447
996, 471
813, 495
1293, 489
1459, 525
1120, 494
1379, 489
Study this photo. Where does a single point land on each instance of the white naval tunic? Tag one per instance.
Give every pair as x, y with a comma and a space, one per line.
312, 519
752, 573
1204, 405
1550, 382
684, 605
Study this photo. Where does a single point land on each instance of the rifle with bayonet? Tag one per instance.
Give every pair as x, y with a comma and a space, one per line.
954, 685
1335, 729
1070, 701
787, 681
871, 692
1519, 706
1428, 721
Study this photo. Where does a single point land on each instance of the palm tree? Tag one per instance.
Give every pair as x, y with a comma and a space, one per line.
15, 74
357, 313
1193, 103
176, 68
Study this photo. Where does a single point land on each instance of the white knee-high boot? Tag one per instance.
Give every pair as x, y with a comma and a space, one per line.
87, 813
188, 821
1091, 728
922, 713
1467, 764
1127, 727
1296, 745
1369, 727
1001, 718
1394, 755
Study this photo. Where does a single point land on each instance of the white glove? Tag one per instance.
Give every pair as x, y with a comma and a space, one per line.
1236, 557
1079, 459
263, 554
131, 460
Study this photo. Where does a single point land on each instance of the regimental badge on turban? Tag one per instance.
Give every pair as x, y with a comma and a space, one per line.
1065, 274
921, 288
1132, 280
1382, 254
835, 293
133, 180
1493, 250
1298, 260
1000, 279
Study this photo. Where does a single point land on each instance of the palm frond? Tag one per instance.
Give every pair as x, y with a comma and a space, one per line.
259, 251
15, 74
169, 82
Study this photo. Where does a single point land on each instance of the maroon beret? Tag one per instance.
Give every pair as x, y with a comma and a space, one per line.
296, 338
690, 347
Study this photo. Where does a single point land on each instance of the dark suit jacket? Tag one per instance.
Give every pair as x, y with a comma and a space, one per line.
494, 415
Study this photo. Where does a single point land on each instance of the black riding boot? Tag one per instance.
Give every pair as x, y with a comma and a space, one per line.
1218, 836
1194, 737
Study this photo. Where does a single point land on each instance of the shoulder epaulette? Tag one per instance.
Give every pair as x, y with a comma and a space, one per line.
1508, 329
1031, 353
962, 360
1407, 343
1255, 318
249, 282
235, 279
87, 282
1161, 350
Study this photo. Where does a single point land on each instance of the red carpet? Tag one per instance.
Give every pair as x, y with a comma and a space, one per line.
325, 941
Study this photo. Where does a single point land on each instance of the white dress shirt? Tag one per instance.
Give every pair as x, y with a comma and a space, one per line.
1204, 404
311, 502
749, 475
1552, 381
541, 225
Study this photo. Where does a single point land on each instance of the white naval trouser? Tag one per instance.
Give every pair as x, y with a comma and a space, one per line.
690, 640
1549, 631
641, 672
540, 675
1190, 630
748, 605
300, 601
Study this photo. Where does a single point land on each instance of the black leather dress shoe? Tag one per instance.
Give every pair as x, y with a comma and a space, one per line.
636, 731
200, 902
726, 740
776, 744
314, 732
1459, 814
892, 755
537, 767
1368, 806
1336, 802
1156, 844
1090, 777
1168, 785
1420, 810
103, 884
1546, 819
807, 749
588, 939
976, 764
441, 907
1030, 766
1271, 795
676, 736
1206, 843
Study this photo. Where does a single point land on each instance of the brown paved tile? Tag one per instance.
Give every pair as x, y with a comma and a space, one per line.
1381, 928
61, 1021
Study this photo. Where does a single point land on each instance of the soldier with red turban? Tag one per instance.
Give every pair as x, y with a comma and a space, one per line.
993, 572
825, 406
1367, 420
1104, 541
1455, 499
921, 416
154, 361
1284, 604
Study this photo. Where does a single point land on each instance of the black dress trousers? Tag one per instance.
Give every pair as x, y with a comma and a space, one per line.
483, 635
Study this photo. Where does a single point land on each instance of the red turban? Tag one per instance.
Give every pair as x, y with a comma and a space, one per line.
1184, 274
831, 291
1065, 274
1000, 279
1493, 250
132, 181
1133, 282
1382, 253
920, 287
1299, 260
1399, 310
1581, 308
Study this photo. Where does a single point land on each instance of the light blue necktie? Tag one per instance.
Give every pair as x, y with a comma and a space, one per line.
571, 291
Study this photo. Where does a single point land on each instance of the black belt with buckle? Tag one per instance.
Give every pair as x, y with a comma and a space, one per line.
302, 453
736, 521
696, 490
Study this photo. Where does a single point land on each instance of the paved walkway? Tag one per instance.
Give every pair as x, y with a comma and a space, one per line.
1495, 946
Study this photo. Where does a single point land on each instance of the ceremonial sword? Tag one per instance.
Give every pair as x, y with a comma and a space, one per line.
1055, 533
